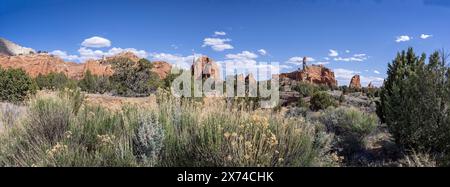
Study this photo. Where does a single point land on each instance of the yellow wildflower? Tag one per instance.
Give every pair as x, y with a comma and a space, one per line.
106, 139
57, 149
68, 134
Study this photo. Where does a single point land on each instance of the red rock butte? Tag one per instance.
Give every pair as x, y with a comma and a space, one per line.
315, 74
355, 82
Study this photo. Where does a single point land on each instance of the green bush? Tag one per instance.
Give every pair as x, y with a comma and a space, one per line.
15, 85
372, 92
415, 102
342, 98
55, 81
351, 127
49, 118
321, 101
171, 77
308, 90
134, 79
148, 139
94, 84
302, 103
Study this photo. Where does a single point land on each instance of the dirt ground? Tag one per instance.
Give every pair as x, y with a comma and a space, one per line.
116, 103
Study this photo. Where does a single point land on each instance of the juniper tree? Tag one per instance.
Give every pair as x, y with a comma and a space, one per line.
415, 102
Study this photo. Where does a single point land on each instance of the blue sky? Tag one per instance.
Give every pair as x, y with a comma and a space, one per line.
348, 36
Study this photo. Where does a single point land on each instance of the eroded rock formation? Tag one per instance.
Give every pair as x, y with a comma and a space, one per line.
250, 79
35, 64
316, 74
355, 82
205, 67
161, 68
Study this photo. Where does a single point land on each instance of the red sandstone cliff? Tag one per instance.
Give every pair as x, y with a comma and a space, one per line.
35, 64
161, 68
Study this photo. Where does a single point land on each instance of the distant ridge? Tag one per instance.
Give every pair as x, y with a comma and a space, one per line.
17, 57
11, 49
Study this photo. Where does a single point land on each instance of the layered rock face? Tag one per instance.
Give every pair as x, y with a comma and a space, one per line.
35, 64
161, 68
205, 67
9, 48
96, 67
355, 82
313, 74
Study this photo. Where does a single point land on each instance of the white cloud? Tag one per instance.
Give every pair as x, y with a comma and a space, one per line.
347, 51
333, 53
376, 72
183, 62
297, 60
96, 42
376, 81
326, 58
345, 73
220, 33
217, 44
321, 63
244, 55
425, 36
344, 76
115, 51
403, 38
354, 58
64, 55
86, 53
262, 52
245, 62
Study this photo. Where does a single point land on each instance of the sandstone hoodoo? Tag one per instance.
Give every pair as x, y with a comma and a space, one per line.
355, 83
250, 79
205, 67
315, 74
370, 86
